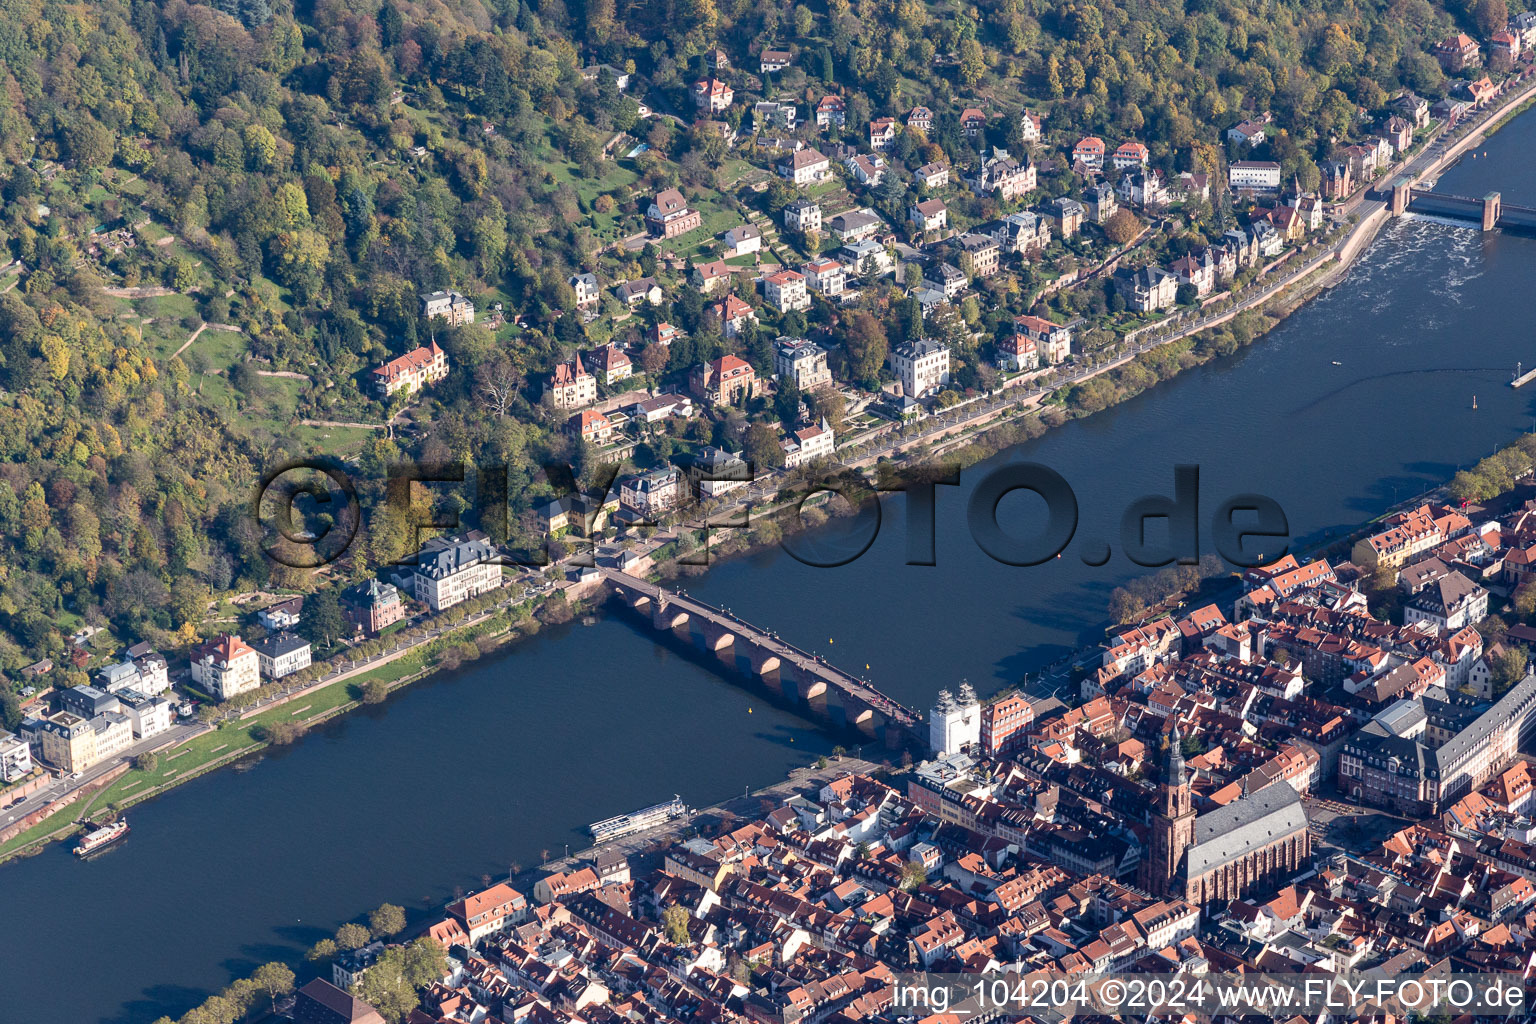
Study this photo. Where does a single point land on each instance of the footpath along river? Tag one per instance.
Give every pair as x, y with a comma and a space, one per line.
457, 777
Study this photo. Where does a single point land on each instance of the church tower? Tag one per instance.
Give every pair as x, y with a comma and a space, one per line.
1173, 824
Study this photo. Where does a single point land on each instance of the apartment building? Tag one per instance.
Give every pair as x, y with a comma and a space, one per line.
803, 216
648, 495
453, 569
1066, 215
714, 472
808, 444
1023, 232
1004, 723
825, 275
449, 306
854, 225
73, 744
805, 167
591, 426
1148, 289
831, 110
148, 715
669, 215
1100, 202
978, 255
490, 912
882, 132
1449, 604
147, 673
711, 96
571, 386
802, 361
225, 666
588, 291
929, 215
1457, 52
734, 315
1052, 340
372, 605
1197, 270
921, 366
945, 279
1017, 352
1089, 152
724, 381
15, 757
411, 372
1130, 154
786, 290
1408, 534
610, 364
282, 654
1004, 177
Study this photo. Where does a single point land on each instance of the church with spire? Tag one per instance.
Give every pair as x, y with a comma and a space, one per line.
1254, 843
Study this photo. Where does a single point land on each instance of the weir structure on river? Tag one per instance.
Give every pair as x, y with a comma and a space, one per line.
802, 678
1489, 212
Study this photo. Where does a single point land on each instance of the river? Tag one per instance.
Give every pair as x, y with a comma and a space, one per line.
457, 777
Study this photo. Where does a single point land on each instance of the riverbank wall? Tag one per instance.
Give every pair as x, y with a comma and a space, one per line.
37, 817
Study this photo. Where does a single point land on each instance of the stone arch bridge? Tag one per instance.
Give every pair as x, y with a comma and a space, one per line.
802, 678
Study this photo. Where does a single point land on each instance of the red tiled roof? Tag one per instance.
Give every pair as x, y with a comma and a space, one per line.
224, 648
411, 361
729, 365
731, 308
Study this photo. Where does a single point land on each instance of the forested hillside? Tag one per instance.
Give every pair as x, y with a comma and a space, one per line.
281, 183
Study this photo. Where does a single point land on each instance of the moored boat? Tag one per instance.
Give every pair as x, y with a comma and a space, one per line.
101, 837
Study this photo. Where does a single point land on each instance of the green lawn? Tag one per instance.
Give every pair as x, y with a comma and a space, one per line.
173, 307
221, 349
215, 392
330, 440
718, 217
165, 337
152, 232
278, 293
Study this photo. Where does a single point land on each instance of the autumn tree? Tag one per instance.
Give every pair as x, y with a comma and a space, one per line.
675, 920
387, 920
653, 359
1122, 227
352, 936
864, 348
1125, 607
275, 979
1508, 668
830, 404
392, 984
762, 446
